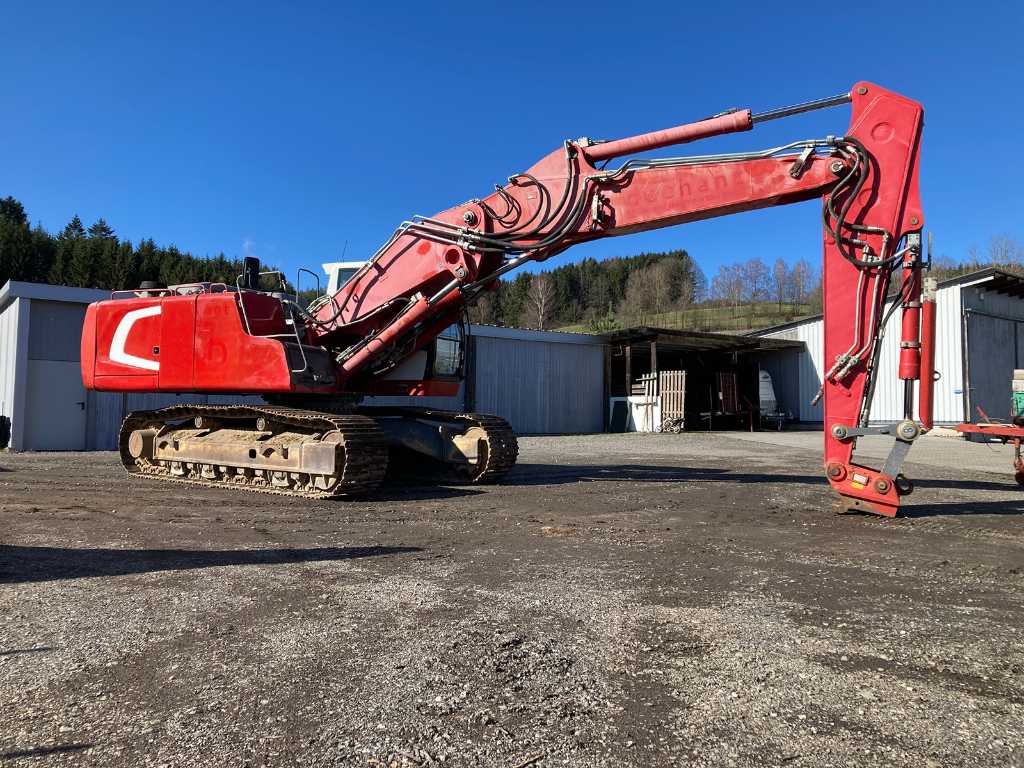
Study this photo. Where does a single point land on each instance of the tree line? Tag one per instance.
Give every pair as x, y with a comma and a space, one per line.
638, 290
599, 295
594, 293
96, 257
670, 288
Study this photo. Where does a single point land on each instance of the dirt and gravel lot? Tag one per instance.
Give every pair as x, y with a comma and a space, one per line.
623, 600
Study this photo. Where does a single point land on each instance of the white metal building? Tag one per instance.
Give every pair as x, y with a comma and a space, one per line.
541, 381
979, 339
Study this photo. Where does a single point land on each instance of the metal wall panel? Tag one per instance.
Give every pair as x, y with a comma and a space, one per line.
56, 417
105, 413
992, 358
784, 367
55, 331
949, 356
995, 335
809, 370
8, 365
887, 404
541, 387
14, 370
454, 403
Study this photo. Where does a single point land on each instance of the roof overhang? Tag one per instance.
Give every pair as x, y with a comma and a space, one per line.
697, 341
16, 289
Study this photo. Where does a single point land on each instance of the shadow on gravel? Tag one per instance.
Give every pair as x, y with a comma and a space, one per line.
557, 474
19, 651
963, 508
970, 485
414, 489
43, 751
28, 564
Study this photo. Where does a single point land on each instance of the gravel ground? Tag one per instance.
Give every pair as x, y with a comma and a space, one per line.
623, 600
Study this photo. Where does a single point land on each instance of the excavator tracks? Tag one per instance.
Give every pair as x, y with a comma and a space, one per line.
296, 452
499, 451
357, 446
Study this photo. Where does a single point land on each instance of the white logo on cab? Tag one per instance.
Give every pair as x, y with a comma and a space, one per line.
117, 353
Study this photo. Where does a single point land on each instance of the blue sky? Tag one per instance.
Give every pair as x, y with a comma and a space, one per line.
286, 131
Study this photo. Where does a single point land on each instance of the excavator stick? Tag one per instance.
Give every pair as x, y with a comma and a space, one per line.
872, 234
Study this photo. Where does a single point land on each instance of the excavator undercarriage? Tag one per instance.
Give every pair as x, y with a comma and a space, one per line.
312, 454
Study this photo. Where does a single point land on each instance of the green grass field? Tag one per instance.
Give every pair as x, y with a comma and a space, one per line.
708, 318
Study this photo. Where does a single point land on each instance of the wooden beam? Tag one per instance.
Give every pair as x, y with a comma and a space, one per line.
629, 370
469, 375
606, 388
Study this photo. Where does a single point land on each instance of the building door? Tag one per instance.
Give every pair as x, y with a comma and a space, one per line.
55, 414
991, 358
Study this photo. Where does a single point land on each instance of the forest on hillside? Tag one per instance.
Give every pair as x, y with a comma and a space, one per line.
96, 257
667, 288
671, 290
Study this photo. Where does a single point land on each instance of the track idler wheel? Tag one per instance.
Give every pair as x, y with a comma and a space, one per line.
904, 486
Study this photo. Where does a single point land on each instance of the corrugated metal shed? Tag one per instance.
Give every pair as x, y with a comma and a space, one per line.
989, 302
542, 382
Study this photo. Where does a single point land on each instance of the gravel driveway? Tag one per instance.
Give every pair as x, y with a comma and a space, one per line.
623, 600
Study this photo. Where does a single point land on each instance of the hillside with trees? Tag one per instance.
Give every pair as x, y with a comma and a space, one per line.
667, 289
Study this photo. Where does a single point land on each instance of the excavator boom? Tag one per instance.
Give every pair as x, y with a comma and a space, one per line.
360, 338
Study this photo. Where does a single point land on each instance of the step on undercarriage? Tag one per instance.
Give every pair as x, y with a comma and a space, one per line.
308, 453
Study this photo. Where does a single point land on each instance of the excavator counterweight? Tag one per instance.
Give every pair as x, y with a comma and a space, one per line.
373, 334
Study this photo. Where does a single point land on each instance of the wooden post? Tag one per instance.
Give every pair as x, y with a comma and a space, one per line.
654, 355
606, 388
469, 375
629, 370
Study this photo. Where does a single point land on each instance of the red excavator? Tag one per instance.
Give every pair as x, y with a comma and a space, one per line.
377, 333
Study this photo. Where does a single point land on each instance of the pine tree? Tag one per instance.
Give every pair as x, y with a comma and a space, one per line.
43, 247
13, 211
79, 267
74, 229
125, 266
101, 230
58, 270
149, 261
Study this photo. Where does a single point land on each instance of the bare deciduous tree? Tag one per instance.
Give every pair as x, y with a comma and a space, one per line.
800, 277
780, 279
1003, 249
649, 291
727, 285
755, 279
484, 310
540, 303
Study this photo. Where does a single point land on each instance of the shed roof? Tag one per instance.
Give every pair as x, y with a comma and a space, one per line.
16, 289
697, 341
